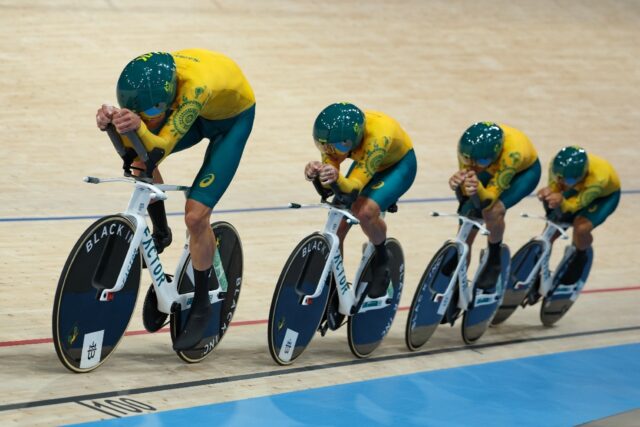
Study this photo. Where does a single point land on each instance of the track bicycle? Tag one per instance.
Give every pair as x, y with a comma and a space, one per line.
531, 279
445, 293
312, 293
98, 286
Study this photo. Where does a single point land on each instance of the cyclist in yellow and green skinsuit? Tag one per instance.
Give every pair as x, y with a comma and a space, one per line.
586, 189
384, 167
499, 164
173, 101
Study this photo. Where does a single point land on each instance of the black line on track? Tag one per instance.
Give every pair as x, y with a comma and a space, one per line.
289, 371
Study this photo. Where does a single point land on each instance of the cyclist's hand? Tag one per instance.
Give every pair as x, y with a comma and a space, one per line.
543, 193
312, 169
471, 183
125, 121
328, 174
104, 116
554, 200
456, 179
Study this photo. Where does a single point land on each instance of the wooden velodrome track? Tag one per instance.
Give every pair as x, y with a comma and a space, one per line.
565, 72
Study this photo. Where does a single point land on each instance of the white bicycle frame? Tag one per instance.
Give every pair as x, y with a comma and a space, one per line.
459, 278
165, 287
542, 265
346, 291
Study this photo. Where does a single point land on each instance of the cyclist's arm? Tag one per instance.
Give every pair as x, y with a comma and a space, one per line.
176, 126
366, 166
345, 185
358, 178
501, 180
584, 198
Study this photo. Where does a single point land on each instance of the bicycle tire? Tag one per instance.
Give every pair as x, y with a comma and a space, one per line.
423, 318
92, 265
521, 265
366, 330
229, 247
292, 325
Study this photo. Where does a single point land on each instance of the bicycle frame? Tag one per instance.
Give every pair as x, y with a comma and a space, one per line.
542, 265
460, 274
347, 297
165, 286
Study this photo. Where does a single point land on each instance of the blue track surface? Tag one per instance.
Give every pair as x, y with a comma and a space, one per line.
561, 389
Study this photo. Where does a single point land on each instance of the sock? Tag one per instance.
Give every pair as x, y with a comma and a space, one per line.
158, 216
201, 292
494, 252
580, 256
381, 253
574, 270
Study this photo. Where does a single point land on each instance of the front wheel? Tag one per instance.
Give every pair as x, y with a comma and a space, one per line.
427, 309
367, 329
291, 324
228, 263
86, 330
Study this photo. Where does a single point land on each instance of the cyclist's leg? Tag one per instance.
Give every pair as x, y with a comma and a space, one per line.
522, 184
228, 139
384, 189
162, 236
585, 221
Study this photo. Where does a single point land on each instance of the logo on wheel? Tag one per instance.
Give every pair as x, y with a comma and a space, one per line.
71, 338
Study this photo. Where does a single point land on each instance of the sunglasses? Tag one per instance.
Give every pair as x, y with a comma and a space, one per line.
343, 147
154, 111
483, 163
569, 181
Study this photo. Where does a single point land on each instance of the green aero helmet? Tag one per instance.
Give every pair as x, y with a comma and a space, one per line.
148, 84
570, 165
339, 128
481, 144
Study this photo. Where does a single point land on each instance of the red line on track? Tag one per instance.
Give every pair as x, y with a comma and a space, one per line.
264, 321
596, 291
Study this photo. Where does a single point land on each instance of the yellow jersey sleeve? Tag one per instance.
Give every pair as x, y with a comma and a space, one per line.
210, 86
600, 181
384, 143
518, 153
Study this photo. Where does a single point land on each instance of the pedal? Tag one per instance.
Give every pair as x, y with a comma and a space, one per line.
152, 319
531, 299
334, 318
323, 328
176, 308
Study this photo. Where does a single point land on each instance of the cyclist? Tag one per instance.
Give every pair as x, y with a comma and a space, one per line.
586, 189
499, 164
173, 101
384, 167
